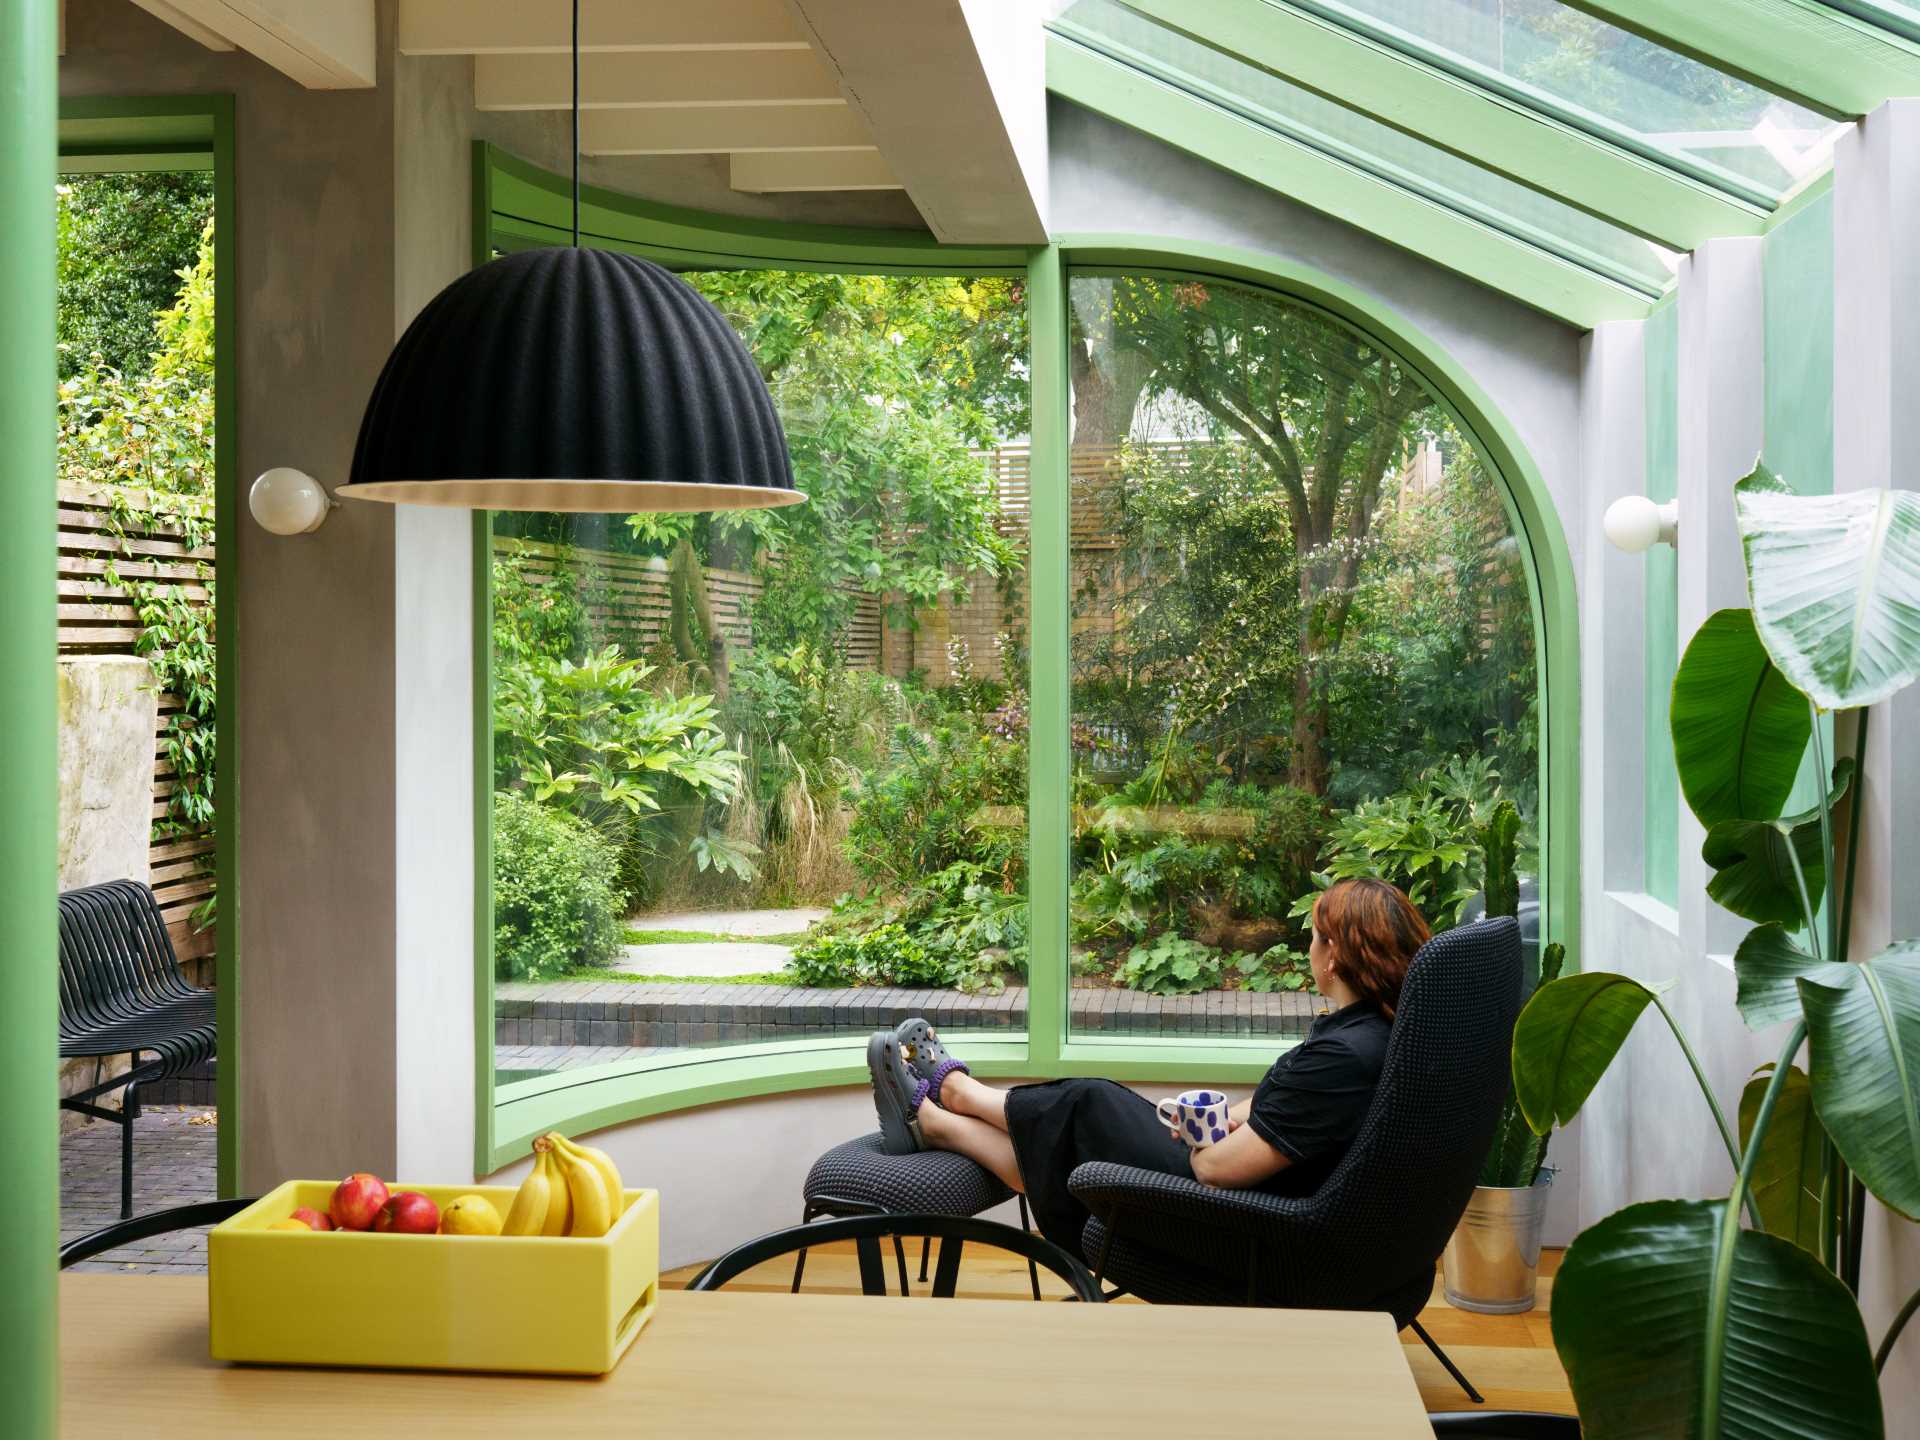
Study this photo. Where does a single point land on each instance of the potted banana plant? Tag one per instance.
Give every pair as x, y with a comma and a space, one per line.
1492, 1263
1671, 1317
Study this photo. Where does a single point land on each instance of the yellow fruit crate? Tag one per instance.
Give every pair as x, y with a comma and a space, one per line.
429, 1302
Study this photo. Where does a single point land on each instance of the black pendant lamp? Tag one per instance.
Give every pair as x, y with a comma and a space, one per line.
572, 379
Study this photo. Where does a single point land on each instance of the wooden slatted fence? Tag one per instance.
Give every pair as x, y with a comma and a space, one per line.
96, 619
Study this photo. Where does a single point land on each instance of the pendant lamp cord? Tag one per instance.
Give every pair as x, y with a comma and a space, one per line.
576, 124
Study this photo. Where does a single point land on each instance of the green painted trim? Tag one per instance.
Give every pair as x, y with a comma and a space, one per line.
29, 997
540, 201
1441, 233
1524, 141
1816, 189
1049, 655
1807, 51
1530, 507
483, 1062
141, 128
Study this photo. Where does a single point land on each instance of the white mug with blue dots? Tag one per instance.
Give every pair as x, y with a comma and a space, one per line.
1199, 1116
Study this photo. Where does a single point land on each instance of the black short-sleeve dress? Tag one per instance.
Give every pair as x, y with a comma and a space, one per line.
1309, 1107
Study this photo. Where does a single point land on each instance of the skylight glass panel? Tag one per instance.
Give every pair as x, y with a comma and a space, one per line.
1900, 17
1365, 144
1722, 131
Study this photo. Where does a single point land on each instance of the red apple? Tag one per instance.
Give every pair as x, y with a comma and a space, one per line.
357, 1200
312, 1219
408, 1213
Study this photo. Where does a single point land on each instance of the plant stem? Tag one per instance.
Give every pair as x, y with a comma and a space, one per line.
1854, 806
1713, 1103
1806, 904
1714, 1361
1893, 1332
1821, 779
1856, 1227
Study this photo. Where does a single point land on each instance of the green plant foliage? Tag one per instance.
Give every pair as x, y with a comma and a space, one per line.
556, 904
1499, 859
1518, 1153
1172, 965
1754, 862
1765, 968
1790, 1172
1863, 1026
1663, 1312
1739, 729
887, 955
123, 242
1280, 968
1835, 585
1566, 1038
917, 816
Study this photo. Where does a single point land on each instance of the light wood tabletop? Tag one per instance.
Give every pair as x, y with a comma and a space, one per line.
134, 1362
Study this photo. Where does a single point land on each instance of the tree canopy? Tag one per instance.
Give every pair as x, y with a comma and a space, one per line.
124, 241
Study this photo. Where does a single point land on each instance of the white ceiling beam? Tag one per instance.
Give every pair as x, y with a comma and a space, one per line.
710, 130
812, 170
322, 44
185, 24
955, 94
710, 78
493, 27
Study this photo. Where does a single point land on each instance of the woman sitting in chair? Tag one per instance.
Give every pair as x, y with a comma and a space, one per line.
1287, 1138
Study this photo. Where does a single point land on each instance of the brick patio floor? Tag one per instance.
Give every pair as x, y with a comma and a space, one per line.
173, 1164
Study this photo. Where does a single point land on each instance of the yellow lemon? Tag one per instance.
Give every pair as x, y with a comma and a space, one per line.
470, 1215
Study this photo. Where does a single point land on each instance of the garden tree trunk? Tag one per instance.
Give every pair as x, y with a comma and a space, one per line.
697, 638
1108, 377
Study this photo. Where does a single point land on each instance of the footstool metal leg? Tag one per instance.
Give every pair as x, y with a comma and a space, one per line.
900, 1258
946, 1271
800, 1259
1033, 1270
926, 1244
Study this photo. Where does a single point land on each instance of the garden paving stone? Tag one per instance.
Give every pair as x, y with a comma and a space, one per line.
744, 923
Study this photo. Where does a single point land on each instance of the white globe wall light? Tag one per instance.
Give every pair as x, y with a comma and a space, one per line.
289, 502
1634, 523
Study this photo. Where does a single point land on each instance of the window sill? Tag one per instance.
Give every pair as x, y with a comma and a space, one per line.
582, 1101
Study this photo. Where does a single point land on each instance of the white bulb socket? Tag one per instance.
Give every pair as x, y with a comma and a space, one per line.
1634, 523
289, 502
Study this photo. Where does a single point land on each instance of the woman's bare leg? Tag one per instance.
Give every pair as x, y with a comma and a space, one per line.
964, 1095
973, 1138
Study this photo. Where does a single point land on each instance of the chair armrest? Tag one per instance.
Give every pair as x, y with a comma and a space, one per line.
1106, 1188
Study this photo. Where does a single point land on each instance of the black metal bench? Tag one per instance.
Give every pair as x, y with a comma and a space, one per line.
122, 993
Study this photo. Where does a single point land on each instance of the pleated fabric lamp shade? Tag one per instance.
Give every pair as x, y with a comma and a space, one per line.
575, 380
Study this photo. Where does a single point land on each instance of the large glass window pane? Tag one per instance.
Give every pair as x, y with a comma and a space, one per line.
1388, 154
762, 775
1738, 135
1303, 646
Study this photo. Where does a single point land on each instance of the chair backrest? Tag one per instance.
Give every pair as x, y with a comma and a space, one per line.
871, 1228
154, 1222
1388, 1209
116, 957
1506, 1425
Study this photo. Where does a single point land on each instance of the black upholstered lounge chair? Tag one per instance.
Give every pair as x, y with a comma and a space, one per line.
1369, 1238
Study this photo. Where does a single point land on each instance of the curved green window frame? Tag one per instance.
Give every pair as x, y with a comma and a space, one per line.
517, 205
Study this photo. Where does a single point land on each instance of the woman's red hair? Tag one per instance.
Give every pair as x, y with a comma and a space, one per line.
1375, 932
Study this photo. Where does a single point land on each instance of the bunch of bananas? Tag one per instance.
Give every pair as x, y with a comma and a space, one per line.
573, 1190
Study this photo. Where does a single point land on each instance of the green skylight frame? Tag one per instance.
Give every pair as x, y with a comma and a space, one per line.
1547, 272
1568, 155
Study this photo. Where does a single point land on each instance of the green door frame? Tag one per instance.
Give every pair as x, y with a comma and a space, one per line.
29, 993
183, 132
517, 205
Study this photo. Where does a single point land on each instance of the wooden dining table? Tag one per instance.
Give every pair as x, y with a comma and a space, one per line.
134, 1362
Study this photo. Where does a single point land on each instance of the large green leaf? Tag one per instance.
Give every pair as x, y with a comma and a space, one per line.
1644, 1338
1835, 584
1753, 867
1790, 1170
1863, 1029
1567, 1037
1765, 966
1739, 729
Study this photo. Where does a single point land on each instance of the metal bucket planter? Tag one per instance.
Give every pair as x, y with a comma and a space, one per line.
1493, 1259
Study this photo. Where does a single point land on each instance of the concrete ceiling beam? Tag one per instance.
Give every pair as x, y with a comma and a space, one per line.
321, 44
812, 170
494, 27
712, 130
728, 78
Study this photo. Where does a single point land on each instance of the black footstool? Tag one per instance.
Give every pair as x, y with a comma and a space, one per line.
860, 1178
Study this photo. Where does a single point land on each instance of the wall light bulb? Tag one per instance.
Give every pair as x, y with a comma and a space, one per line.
1634, 523
289, 502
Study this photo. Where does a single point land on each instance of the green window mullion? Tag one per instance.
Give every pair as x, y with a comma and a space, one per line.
1050, 698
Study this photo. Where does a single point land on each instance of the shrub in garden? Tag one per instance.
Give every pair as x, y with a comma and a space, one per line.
921, 814
1172, 965
887, 955
555, 900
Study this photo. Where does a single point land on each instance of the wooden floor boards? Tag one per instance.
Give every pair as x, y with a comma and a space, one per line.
1509, 1357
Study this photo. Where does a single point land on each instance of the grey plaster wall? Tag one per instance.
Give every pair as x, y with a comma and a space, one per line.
314, 746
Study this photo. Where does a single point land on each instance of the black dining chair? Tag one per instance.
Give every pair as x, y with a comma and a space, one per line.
154, 1222
867, 1231
1370, 1237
